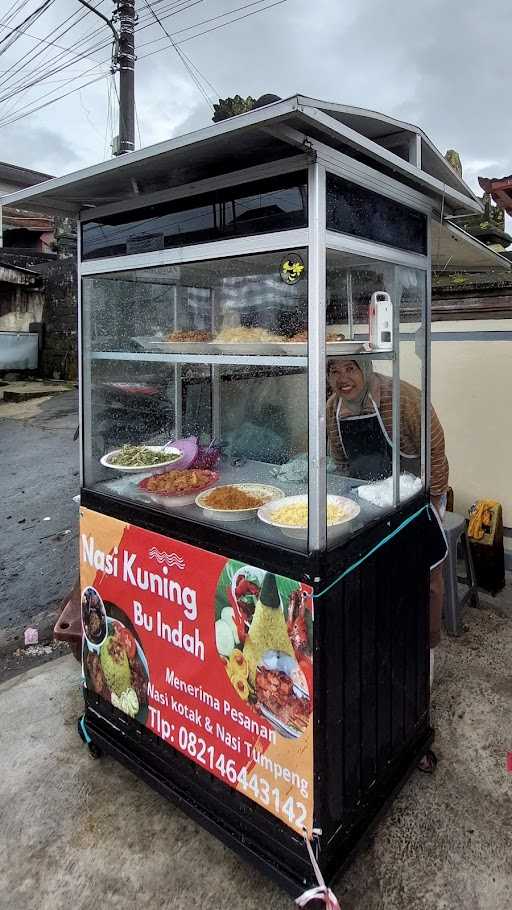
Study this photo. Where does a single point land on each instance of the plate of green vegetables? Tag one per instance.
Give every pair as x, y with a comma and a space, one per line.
136, 458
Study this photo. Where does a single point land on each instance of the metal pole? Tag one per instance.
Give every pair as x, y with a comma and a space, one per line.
126, 61
396, 298
317, 477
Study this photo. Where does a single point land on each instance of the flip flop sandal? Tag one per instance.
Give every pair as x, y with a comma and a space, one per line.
428, 763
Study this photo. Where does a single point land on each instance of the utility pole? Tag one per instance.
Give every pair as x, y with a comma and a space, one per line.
126, 64
123, 59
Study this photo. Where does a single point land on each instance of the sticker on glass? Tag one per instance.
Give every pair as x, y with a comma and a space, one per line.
292, 268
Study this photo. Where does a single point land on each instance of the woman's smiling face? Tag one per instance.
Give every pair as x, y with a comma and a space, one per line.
346, 379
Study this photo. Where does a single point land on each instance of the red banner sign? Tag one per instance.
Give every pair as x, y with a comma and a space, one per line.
212, 655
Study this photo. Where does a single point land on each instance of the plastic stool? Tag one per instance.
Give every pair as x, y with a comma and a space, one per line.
455, 529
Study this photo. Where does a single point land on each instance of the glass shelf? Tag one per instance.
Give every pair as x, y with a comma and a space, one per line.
276, 360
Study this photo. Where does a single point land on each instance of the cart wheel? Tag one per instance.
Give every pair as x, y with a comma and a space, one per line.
428, 763
94, 751
80, 730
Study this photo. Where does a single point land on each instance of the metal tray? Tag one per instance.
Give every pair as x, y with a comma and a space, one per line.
173, 347
255, 348
243, 347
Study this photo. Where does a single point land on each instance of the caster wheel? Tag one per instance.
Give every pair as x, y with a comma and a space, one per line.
94, 751
428, 763
80, 730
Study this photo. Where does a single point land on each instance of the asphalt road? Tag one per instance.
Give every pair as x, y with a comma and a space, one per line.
39, 520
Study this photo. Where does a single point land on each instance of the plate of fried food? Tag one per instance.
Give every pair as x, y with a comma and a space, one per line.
246, 340
335, 341
177, 488
190, 341
237, 501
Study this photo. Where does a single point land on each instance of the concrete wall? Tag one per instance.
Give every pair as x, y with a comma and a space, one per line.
19, 306
471, 385
59, 357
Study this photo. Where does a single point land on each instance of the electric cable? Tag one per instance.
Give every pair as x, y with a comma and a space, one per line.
228, 12
215, 28
65, 95
14, 34
14, 10
184, 59
24, 113
59, 32
52, 64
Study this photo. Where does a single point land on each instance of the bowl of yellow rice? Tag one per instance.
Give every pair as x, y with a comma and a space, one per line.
290, 514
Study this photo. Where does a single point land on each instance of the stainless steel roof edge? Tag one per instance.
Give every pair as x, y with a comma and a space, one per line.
473, 241
459, 180
391, 121
313, 115
241, 121
358, 112
345, 166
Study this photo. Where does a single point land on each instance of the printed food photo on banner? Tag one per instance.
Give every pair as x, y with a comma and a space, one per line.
94, 616
263, 634
211, 655
116, 667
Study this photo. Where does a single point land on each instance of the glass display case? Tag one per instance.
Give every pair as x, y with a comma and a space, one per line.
218, 352
256, 533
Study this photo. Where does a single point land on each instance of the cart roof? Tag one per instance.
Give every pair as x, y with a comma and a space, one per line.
257, 137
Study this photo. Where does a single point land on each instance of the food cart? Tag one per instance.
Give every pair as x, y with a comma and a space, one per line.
255, 617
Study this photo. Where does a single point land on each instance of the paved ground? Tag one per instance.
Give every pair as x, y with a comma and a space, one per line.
88, 834
38, 518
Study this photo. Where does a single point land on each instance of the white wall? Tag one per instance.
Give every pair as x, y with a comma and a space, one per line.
471, 391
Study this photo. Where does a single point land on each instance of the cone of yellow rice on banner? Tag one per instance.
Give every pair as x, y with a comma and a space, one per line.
268, 630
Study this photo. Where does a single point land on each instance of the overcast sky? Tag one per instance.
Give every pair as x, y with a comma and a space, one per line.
444, 66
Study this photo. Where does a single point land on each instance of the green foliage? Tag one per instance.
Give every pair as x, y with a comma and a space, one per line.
230, 107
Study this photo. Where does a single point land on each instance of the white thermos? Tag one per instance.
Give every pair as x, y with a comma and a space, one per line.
380, 321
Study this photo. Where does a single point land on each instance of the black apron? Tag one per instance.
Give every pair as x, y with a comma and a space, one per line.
368, 448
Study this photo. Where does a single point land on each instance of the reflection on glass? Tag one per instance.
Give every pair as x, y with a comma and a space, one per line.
247, 299
278, 204
241, 426
353, 209
375, 396
351, 282
237, 427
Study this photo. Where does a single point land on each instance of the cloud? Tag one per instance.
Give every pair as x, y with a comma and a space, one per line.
444, 67
40, 148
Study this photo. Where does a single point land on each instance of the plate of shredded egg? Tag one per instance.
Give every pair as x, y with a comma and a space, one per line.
290, 514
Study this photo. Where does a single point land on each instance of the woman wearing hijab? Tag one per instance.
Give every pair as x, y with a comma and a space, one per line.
359, 428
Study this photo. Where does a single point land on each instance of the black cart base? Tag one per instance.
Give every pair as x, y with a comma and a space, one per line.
245, 829
370, 710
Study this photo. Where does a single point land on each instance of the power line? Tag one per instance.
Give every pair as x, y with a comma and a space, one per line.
231, 21
138, 126
213, 18
44, 67
167, 12
14, 34
214, 28
58, 63
184, 59
15, 90
22, 114
15, 9
65, 95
